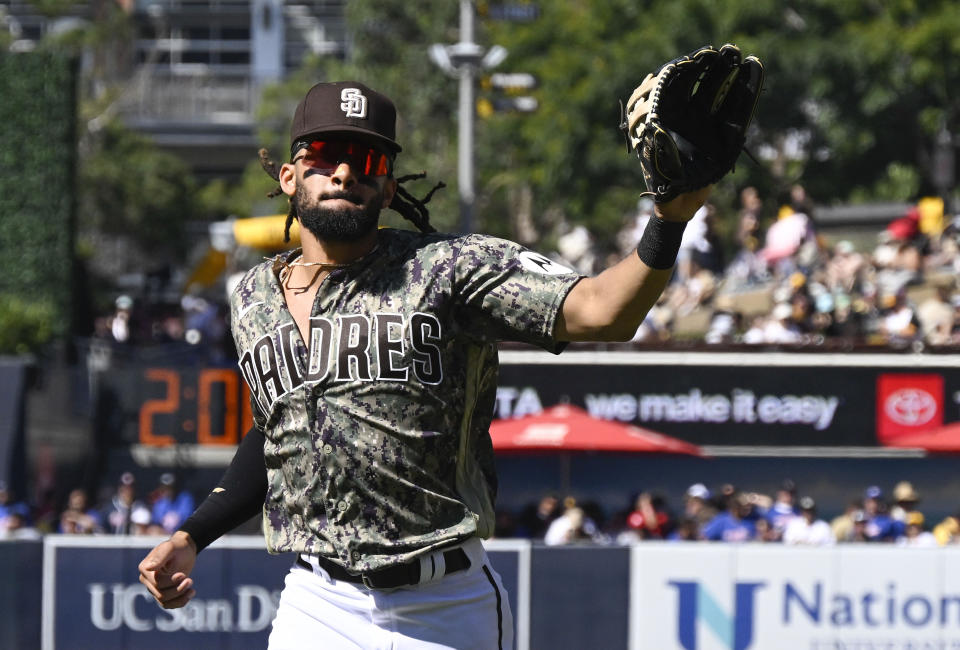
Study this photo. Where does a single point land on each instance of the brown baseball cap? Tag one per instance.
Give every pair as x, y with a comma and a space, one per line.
346, 107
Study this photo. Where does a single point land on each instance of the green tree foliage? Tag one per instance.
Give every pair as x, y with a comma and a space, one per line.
72, 176
37, 165
855, 95
129, 187
26, 325
855, 92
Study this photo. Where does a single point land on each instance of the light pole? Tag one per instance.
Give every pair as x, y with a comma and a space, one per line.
463, 60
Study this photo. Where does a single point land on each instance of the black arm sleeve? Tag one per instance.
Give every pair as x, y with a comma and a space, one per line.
238, 497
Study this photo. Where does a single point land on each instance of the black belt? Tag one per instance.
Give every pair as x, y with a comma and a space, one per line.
399, 575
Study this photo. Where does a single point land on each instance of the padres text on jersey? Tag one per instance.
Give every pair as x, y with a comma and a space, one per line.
377, 425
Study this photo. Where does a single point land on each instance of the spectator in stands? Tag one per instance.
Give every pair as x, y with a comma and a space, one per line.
844, 268
698, 508
5, 505
142, 524
955, 332
202, 320
747, 267
914, 533
848, 322
906, 227
732, 524
78, 518
782, 327
905, 501
936, 315
686, 530
707, 253
577, 248
898, 264
748, 228
783, 509
18, 525
121, 323
658, 322
821, 319
760, 505
536, 519
699, 243
171, 506
649, 518
10, 509
699, 264
765, 532
699, 290
789, 244
842, 525
948, 530
756, 332
572, 527
632, 230
168, 329
725, 324
859, 532
944, 250
800, 201
807, 529
898, 320
121, 506
801, 302
881, 527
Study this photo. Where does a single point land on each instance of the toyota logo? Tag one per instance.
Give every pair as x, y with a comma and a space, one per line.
910, 407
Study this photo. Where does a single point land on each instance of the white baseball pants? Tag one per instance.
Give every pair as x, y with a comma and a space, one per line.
465, 610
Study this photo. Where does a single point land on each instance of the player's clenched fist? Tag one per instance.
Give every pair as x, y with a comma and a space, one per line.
166, 569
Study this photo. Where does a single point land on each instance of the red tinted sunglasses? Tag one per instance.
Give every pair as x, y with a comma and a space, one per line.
326, 156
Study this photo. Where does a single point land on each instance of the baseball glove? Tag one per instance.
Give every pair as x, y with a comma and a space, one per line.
688, 122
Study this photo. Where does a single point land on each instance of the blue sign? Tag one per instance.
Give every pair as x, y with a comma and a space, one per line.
93, 598
98, 601
735, 630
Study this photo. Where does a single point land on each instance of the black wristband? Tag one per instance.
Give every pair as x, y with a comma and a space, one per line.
660, 243
238, 497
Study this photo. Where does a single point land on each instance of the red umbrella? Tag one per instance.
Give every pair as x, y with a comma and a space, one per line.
943, 439
569, 428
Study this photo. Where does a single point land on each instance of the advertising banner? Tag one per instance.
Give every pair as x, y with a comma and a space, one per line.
752, 597
748, 399
651, 596
92, 598
759, 399
908, 403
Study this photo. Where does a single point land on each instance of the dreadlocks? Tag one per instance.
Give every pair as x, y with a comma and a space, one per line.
408, 206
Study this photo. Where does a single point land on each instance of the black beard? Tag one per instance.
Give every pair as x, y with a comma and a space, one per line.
347, 224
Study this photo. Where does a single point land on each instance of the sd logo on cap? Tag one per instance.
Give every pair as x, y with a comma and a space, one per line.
347, 108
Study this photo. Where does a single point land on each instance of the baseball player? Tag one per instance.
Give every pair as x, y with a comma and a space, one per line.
371, 359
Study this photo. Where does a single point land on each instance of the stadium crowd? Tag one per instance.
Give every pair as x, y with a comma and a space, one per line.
812, 290
120, 511
788, 284
779, 283
726, 514
732, 515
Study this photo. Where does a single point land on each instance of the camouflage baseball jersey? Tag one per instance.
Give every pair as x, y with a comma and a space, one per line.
377, 444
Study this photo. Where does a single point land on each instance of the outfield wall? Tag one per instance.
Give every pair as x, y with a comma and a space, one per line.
654, 595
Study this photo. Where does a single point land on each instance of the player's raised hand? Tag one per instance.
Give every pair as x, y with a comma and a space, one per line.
684, 206
165, 571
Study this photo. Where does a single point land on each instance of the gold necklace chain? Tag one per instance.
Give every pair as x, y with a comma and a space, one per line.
323, 265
